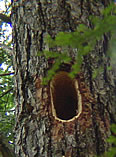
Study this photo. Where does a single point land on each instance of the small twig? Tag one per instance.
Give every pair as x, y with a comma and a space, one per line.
5, 18
7, 74
8, 111
6, 92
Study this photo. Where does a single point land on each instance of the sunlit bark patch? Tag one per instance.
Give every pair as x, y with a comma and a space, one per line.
65, 97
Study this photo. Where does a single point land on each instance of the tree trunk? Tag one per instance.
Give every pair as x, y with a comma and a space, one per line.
50, 122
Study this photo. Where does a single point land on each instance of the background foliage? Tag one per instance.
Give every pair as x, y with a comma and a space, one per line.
6, 74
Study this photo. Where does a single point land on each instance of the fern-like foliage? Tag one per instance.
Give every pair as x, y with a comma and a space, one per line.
112, 140
83, 39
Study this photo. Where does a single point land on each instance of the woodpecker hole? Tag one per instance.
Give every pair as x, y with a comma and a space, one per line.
64, 96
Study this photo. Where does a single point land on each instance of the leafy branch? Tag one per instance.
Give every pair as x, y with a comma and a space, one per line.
83, 39
6, 92
5, 18
7, 74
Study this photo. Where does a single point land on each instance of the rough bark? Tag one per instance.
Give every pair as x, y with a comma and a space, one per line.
39, 132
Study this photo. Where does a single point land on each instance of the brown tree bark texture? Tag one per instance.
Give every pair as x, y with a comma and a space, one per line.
38, 133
